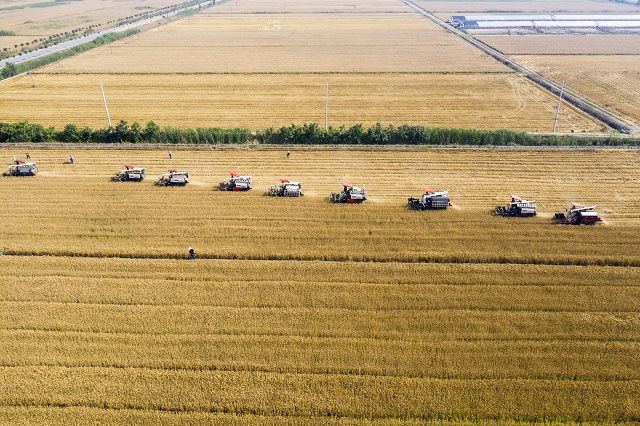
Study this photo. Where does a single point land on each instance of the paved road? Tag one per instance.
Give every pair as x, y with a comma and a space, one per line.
71, 43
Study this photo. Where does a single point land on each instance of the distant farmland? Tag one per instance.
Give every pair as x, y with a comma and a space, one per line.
261, 68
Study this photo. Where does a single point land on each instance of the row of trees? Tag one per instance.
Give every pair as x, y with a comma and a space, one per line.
308, 134
122, 133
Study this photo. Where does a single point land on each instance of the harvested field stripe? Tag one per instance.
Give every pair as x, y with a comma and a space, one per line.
447, 259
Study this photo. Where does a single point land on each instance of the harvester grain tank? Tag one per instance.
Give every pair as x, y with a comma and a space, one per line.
173, 178
517, 207
350, 194
430, 200
235, 183
579, 215
132, 174
22, 169
286, 188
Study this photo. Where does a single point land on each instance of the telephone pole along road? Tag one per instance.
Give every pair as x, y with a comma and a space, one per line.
596, 111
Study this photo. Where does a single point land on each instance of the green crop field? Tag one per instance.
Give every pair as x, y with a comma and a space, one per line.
298, 311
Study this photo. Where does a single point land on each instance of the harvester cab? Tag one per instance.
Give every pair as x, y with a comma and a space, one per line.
430, 200
350, 194
173, 178
22, 169
579, 215
517, 207
235, 183
286, 188
134, 174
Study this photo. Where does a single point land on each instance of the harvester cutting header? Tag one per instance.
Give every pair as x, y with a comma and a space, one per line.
349, 194
286, 188
235, 183
517, 207
430, 200
578, 215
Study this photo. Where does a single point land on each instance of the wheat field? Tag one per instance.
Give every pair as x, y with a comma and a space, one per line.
298, 311
260, 68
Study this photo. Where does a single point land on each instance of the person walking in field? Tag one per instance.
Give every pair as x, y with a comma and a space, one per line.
170, 155
71, 159
28, 156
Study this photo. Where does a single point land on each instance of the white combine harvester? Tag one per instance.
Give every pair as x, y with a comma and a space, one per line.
286, 189
22, 169
235, 183
430, 200
173, 178
579, 215
517, 207
133, 174
350, 194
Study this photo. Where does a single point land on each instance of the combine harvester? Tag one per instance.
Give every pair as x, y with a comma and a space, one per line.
578, 215
430, 200
235, 183
21, 169
173, 178
132, 174
350, 194
517, 207
286, 189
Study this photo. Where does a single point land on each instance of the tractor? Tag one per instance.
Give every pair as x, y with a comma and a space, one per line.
235, 183
133, 174
173, 178
286, 189
517, 207
578, 215
22, 169
349, 194
430, 200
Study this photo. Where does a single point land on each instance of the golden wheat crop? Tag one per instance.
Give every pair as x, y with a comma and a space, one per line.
589, 44
302, 312
611, 81
259, 101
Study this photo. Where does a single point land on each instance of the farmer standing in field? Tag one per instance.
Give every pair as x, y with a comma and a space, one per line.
71, 159
192, 254
288, 154
170, 155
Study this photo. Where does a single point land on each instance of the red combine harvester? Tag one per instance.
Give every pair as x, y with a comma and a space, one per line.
579, 215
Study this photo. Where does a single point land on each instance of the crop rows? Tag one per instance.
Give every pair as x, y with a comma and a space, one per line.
298, 311
566, 45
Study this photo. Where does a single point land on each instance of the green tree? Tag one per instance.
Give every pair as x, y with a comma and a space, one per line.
9, 70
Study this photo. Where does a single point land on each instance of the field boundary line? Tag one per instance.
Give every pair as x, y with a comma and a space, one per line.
324, 336
303, 308
634, 262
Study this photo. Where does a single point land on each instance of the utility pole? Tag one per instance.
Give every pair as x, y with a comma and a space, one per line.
326, 107
105, 106
555, 122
